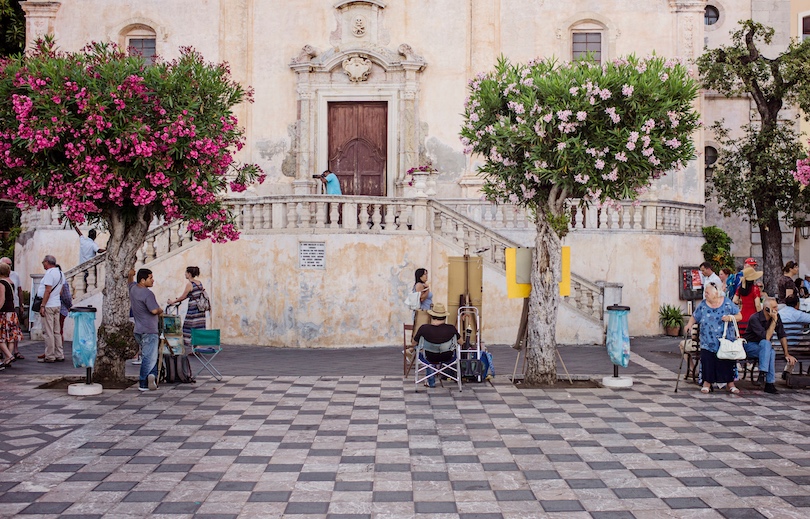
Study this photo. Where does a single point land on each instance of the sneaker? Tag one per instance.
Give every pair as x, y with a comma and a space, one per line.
143, 388
151, 381
770, 388
136, 362
760, 379
44, 360
60, 360
41, 356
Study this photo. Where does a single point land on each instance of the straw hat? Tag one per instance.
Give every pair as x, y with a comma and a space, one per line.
749, 274
438, 310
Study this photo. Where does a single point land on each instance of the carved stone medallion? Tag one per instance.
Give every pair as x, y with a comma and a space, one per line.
357, 68
359, 26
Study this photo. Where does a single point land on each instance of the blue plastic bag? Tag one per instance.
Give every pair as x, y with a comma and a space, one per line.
84, 339
618, 337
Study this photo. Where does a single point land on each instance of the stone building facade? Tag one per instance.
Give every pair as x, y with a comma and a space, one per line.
371, 88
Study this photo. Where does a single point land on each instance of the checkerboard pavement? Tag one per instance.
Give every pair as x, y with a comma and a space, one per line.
342, 445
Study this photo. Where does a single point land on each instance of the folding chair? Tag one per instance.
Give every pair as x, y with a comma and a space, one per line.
205, 346
426, 369
407, 360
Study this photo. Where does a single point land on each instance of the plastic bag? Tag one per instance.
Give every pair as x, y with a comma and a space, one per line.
618, 338
84, 339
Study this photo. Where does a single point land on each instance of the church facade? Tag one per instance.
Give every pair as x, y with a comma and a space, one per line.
373, 88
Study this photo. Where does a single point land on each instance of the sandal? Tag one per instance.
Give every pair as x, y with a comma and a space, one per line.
705, 390
19, 356
734, 390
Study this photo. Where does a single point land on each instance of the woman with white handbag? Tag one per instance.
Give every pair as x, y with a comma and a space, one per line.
711, 314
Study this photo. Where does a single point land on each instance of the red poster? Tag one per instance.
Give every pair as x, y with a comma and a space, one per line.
697, 284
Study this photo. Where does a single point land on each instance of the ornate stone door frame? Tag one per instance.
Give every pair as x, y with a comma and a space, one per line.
323, 98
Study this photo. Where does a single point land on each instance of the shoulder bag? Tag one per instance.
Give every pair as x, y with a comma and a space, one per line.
413, 301
203, 303
731, 350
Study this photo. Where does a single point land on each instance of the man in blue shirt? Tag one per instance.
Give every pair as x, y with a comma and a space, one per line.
331, 182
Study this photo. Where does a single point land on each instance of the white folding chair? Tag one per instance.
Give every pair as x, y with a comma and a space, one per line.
205, 346
425, 369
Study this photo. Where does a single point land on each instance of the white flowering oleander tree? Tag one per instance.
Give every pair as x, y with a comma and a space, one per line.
549, 131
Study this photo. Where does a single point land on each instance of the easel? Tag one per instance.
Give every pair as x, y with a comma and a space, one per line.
522, 339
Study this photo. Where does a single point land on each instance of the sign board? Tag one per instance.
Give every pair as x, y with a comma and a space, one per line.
518, 272
690, 284
312, 255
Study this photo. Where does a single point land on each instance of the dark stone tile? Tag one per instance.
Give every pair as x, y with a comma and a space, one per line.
392, 496
121, 452
175, 467
798, 501
606, 465
392, 467
269, 496
256, 460
20, 497
305, 507
749, 491
235, 486
664, 456
45, 507
758, 472
585, 483
197, 445
5, 486
500, 467
680, 503
650, 473
317, 476
435, 507
562, 505
356, 459
470, 485
88, 476
325, 452
144, 496
740, 513
203, 476
115, 486
605, 515
764, 455
283, 467
515, 495
709, 464
536, 475
354, 486
698, 482
634, 493
482, 515
177, 507
461, 459
430, 476
147, 460
224, 452
64, 467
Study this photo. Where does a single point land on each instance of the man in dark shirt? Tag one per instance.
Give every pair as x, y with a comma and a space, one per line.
761, 327
438, 337
146, 310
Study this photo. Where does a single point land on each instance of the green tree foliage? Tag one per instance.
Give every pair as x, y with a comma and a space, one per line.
717, 249
752, 177
550, 131
12, 27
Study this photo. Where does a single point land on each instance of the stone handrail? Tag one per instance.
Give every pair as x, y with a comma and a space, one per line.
642, 216
88, 277
456, 229
358, 214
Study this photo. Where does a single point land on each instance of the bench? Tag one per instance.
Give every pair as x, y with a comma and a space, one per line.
798, 339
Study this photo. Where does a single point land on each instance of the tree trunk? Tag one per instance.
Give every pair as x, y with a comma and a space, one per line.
116, 342
771, 237
541, 346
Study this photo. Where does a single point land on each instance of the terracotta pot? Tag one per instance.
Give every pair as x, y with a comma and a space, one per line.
673, 331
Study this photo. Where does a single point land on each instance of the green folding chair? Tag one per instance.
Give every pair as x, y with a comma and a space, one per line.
205, 347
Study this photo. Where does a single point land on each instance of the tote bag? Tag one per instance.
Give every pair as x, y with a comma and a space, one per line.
731, 350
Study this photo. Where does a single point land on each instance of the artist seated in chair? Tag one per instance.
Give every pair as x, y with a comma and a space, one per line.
436, 340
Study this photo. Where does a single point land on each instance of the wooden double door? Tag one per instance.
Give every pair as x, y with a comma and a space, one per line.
358, 137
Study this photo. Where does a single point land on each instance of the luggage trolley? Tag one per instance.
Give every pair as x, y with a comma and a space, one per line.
469, 327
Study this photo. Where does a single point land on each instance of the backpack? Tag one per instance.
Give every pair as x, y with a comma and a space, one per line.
203, 303
176, 369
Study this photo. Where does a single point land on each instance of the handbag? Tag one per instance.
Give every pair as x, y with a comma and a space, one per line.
203, 303
413, 301
37, 304
731, 350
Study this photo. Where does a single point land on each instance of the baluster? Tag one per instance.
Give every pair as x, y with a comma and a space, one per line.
256, 216
92, 281
334, 214
389, 216
267, 216
659, 218
498, 220
615, 212
150, 253
320, 215
305, 211
637, 216
577, 217
76, 283
602, 221
376, 218
292, 215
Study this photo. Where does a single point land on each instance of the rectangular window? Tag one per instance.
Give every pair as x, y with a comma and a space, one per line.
585, 42
805, 28
144, 47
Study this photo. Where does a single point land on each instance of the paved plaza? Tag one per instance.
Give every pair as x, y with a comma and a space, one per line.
339, 434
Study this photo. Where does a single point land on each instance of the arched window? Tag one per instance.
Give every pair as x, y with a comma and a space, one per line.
710, 158
711, 15
587, 38
141, 40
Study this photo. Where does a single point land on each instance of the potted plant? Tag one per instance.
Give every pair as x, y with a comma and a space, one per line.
671, 319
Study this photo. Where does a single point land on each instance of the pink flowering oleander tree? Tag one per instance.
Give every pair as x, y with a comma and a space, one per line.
115, 141
549, 132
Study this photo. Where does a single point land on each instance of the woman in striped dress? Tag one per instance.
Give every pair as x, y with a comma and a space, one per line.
194, 317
